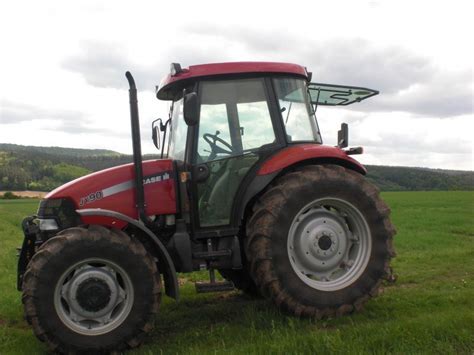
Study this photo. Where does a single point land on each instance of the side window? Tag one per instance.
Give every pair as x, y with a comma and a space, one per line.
213, 120
255, 125
234, 120
298, 118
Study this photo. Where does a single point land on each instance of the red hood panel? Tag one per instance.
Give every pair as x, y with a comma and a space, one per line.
113, 189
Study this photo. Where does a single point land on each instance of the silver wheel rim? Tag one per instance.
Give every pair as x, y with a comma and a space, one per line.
329, 244
93, 296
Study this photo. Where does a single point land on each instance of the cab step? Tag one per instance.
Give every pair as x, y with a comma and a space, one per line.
213, 285
204, 287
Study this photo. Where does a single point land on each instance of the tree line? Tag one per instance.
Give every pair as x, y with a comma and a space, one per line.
45, 168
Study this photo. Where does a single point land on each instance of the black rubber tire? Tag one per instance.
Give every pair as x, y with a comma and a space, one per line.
267, 234
71, 246
241, 280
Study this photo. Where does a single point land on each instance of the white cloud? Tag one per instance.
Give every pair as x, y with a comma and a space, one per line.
65, 62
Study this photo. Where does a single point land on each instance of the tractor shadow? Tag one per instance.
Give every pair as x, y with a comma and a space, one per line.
201, 313
235, 317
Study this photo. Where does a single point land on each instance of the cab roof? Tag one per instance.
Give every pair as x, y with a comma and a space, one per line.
179, 77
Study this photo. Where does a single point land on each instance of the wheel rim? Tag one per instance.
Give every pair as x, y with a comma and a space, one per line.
93, 296
329, 244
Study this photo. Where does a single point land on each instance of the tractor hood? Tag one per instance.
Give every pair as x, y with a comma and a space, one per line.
113, 189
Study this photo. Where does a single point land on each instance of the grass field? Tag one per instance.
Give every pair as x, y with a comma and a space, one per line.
430, 309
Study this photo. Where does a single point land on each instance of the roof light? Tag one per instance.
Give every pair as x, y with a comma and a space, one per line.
175, 69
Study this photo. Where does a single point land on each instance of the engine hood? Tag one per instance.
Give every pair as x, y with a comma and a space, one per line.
113, 189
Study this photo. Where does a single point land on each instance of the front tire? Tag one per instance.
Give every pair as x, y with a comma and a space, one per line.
91, 289
319, 241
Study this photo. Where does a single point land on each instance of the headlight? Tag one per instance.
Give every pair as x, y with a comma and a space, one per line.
58, 213
48, 224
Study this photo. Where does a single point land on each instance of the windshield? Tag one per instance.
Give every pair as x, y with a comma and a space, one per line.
297, 113
178, 130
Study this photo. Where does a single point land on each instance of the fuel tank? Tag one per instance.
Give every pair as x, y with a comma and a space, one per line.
114, 189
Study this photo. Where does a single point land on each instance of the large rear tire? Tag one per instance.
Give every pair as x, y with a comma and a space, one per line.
319, 241
91, 289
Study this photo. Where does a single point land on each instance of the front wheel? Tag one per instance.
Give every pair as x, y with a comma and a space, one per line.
320, 241
91, 289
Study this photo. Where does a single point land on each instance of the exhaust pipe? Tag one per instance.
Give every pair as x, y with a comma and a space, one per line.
137, 149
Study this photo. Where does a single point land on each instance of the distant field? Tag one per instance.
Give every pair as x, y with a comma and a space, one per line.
428, 310
30, 194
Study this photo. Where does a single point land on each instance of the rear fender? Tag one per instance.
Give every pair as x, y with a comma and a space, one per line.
309, 153
169, 274
285, 159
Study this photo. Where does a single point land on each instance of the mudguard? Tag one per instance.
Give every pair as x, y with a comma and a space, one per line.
306, 152
169, 274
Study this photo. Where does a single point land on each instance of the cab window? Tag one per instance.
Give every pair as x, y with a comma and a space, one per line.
296, 111
234, 119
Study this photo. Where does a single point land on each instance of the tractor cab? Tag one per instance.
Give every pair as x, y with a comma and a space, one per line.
226, 119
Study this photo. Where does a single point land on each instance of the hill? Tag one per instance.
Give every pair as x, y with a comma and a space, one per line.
44, 168
58, 151
400, 178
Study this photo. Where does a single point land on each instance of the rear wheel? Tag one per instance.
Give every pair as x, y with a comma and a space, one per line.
91, 289
320, 241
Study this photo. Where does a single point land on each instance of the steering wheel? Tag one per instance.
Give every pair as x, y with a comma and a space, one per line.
212, 140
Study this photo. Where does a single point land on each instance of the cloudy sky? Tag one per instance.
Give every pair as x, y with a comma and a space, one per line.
62, 67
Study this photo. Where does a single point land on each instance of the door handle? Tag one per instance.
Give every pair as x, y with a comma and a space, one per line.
200, 173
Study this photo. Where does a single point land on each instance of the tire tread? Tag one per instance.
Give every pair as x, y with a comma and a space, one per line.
32, 280
259, 238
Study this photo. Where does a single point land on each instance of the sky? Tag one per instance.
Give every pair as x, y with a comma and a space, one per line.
62, 68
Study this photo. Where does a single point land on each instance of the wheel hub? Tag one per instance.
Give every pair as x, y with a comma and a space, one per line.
323, 244
93, 295
319, 241
93, 292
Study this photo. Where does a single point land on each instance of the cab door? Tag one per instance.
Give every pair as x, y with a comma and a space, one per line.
235, 124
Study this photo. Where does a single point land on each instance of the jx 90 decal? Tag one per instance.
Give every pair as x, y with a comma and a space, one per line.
95, 196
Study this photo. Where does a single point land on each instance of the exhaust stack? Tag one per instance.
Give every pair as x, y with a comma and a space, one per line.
137, 148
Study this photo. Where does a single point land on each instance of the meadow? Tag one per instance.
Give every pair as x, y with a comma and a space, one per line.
429, 309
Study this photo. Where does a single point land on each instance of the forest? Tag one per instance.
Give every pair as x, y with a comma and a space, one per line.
45, 168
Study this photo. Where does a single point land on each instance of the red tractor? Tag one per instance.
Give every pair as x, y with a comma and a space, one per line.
244, 186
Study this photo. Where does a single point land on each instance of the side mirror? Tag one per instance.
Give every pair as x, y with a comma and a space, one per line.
343, 136
191, 109
155, 132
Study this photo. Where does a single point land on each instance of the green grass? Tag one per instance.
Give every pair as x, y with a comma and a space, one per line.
430, 309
